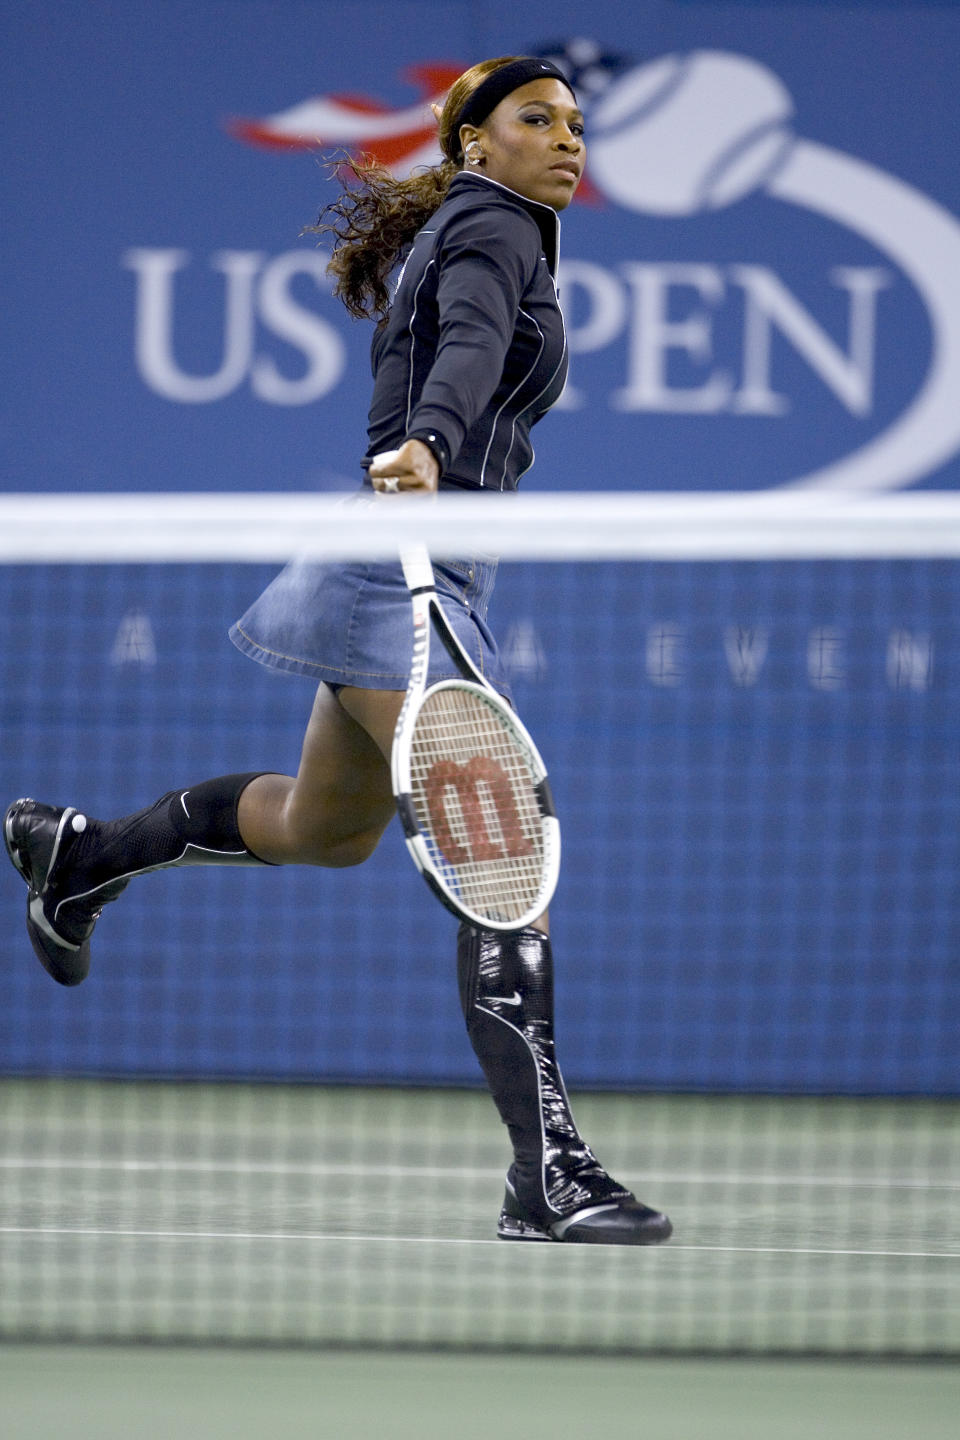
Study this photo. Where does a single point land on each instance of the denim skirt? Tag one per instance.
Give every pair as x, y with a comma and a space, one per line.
350, 623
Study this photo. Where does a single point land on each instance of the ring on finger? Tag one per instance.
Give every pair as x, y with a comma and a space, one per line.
391, 484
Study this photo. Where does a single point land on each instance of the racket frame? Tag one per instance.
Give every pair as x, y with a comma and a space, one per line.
427, 612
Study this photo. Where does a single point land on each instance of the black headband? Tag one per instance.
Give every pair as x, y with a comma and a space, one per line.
502, 83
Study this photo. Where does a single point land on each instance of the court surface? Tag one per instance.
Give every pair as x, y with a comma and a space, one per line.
319, 1217
115, 1393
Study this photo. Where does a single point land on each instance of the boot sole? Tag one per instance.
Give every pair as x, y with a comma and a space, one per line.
600, 1225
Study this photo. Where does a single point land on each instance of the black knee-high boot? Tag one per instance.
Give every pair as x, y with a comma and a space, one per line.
556, 1189
195, 826
75, 865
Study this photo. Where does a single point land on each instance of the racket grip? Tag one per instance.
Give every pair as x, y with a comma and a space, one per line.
417, 569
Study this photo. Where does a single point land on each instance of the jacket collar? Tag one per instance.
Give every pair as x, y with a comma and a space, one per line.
547, 219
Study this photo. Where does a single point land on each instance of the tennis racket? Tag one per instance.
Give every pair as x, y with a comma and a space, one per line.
471, 789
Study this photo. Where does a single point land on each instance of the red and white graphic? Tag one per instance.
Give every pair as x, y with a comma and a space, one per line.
398, 139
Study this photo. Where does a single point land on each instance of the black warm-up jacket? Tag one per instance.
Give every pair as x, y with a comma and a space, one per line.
473, 350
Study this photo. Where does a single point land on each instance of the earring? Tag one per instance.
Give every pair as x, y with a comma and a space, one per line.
474, 152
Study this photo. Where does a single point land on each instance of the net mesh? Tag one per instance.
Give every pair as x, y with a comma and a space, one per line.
474, 790
260, 1120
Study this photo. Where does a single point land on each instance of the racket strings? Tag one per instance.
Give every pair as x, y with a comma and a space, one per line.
474, 790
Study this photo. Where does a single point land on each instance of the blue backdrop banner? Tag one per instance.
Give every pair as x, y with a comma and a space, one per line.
755, 770
761, 279
760, 274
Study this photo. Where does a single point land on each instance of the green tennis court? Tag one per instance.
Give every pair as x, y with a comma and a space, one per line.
113, 1393
349, 1216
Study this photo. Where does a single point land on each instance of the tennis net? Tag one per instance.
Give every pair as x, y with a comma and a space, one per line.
259, 1119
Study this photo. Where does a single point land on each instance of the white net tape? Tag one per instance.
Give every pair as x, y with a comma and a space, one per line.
272, 527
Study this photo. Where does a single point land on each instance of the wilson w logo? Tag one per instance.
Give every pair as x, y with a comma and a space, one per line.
473, 812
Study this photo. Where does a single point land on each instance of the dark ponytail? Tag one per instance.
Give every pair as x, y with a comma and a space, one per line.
373, 221
377, 216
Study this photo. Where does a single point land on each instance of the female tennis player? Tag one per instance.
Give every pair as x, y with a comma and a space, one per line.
468, 354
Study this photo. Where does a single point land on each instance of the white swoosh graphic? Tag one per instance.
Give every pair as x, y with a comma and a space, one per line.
924, 240
325, 120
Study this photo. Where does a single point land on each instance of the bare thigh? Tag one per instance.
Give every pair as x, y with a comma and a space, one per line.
336, 808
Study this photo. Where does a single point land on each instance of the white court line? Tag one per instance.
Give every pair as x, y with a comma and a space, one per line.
52, 1231
439, 1172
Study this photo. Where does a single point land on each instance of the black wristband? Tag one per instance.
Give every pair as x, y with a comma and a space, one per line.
435, 444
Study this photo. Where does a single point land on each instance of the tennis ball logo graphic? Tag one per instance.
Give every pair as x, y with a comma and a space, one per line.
689, 132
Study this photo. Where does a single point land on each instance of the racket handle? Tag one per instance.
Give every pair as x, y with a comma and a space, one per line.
417, 569
415, 558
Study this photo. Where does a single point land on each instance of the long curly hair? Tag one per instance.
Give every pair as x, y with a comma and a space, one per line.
376, 216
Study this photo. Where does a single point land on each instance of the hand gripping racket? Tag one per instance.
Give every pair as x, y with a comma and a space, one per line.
471, 789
